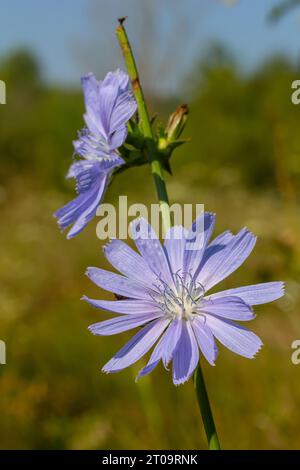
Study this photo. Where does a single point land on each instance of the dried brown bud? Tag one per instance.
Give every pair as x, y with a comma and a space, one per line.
177, 122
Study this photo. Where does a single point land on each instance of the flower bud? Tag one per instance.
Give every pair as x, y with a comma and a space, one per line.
177, 122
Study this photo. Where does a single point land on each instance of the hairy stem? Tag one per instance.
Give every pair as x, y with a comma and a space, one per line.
145, 125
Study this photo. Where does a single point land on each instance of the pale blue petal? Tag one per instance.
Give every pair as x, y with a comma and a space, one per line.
173, 335
236, 338
186, 355
117, 102
205, 340
255, 294
97, 149
164, 348
129, 262
91, 208
117, 78
107, 96
119, 324
151, 250
118, 138
124, 108
127, 307
109, 105
223, 263
82, 209
218, 244
96, 129
75, 171
86, 173
156, 355
197, 240
137, 346
231, 307
90, 88
153, 361
223, 239
175, 245
117, 284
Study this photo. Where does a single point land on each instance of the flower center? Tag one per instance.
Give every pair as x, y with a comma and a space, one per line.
180, 302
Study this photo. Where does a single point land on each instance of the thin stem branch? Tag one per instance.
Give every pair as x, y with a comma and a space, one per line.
162, 194
145, 125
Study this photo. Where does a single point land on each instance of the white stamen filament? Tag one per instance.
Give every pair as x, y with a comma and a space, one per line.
181, 303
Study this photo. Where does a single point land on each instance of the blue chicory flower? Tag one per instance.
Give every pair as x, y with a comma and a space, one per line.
109, 105
166, 289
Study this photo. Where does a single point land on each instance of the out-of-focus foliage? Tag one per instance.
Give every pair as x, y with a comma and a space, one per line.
38, 124
245, 128
282, 8
243, 163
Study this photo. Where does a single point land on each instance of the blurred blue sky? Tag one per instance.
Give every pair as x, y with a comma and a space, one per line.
71, 37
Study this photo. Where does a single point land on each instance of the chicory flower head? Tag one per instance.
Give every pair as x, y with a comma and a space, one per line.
166, 289
109, 105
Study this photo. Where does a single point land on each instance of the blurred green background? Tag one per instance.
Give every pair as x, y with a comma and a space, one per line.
243, 162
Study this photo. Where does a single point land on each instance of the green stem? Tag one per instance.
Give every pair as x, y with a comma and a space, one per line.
145, 124
206, 413
162, 194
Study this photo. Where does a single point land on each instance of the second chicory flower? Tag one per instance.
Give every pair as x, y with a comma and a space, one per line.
109, 105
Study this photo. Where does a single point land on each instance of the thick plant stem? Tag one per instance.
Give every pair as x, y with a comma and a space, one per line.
206, 413
145, 125
162, 194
